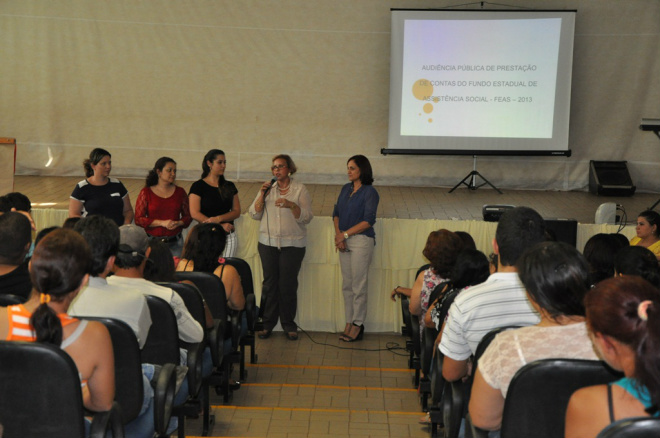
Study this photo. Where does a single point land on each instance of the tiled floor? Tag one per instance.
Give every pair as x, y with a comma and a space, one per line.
321, 387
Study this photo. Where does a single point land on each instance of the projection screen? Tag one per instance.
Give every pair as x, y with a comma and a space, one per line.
475, 82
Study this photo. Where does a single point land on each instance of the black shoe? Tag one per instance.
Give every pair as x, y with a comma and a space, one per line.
358, 337
292, 336
264, 334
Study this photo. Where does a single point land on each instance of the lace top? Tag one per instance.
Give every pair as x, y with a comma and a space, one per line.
512, 349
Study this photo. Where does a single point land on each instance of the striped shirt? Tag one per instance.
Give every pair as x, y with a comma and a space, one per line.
499, 301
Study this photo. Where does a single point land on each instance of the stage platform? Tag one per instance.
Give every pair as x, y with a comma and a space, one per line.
395, 202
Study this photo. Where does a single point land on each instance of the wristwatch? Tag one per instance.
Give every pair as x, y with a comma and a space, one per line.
345, 236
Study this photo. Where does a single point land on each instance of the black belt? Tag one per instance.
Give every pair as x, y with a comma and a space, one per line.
167, 239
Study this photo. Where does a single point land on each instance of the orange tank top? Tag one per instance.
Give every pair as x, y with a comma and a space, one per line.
19, 323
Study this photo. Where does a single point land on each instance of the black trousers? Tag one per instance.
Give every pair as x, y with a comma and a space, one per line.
280, 287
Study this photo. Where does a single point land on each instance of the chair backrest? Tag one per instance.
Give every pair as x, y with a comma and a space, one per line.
10, 300
642, 427
212, 290
538, 395
40, 392
405, 314
162, 345
245, 272
192, 298
457, 394
129, 391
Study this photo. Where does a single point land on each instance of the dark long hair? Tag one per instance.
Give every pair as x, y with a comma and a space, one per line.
637, 260
613, 310
471, 268
152, 176
366, 174
556, 277
59, 264
600, 252
160, 265
204, 246
225, 189
95, 156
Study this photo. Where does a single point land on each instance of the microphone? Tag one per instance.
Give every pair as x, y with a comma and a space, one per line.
272, 183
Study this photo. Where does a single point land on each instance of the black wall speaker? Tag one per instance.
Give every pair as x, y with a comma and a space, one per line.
563, 230
610, 178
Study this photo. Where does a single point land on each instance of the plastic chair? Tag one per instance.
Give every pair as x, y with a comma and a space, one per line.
437, 381
429, 336
228, 324
457, 394
641, 427
129, 391
194, 302
250, 310
40, 395
10, 300
162, 348
539, 392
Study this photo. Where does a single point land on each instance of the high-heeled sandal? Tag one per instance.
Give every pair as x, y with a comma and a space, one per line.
347, 330
358, 337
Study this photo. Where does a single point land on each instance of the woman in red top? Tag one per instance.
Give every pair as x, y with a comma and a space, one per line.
162, 206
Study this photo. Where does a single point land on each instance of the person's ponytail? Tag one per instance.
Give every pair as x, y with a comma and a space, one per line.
46, 324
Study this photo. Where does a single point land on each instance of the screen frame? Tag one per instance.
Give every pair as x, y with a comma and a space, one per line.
558, 145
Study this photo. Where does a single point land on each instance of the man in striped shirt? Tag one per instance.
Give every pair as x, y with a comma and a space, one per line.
499, 301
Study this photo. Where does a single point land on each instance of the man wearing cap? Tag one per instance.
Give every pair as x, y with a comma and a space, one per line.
129, 273
99, 298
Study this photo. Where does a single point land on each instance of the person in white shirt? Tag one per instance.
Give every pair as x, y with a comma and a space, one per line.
129, 273
499, 301
100, 299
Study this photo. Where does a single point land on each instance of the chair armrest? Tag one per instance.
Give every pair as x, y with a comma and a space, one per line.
251, 311
194, 363
235, 322
472, 431
452, 407
111, 420
164, 393
216, 339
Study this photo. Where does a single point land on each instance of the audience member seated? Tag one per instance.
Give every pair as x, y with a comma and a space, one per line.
442, 249
129, 275
19, 203
59, 270
648, 232
201, 253
160, 266
70, 222
471, 268
99, 298
623, 318
556, 278
15, 239
637, 260
600, 252
499, 301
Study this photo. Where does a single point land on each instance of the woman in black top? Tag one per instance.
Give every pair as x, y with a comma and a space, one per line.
213, 199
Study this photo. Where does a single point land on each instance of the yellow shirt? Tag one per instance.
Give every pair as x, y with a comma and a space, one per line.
655, 248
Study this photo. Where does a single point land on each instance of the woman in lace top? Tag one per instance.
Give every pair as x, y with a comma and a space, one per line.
556, 277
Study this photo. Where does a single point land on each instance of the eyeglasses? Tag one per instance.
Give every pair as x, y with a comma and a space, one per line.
278, 166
